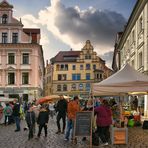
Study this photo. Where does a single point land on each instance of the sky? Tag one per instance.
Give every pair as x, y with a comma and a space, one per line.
67, 24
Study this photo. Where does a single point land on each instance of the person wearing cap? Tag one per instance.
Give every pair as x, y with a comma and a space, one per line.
61, 110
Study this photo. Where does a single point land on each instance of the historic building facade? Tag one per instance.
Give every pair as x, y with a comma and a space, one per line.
21, 57
73, 72
132, 44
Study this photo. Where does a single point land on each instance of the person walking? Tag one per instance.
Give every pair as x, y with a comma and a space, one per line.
8, 112
16, 115
42, 120
30, 119
51, 109
103, 121
1, 114
61, 109
73, 107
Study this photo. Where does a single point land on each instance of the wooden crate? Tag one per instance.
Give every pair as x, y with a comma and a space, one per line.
119, 135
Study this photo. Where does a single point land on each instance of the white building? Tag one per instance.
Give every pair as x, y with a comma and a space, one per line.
132, 46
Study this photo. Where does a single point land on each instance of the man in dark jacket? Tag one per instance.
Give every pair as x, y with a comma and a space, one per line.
61, 108
30, 119
42, 120
16, 115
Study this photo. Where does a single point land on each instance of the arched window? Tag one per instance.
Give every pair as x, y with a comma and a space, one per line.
4, 19
64, 87
58, 87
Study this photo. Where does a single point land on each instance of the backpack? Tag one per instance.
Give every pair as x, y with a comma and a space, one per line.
8, 111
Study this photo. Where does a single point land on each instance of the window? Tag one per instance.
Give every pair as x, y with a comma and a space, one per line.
87, 56
4, 19
11, 58
62, 77
73, 67
64, 87
73, 87
76, 76
62, 67
87, 76
80, 86
133, 63
14, 37
25, 78
4, 37
25, 58
94, 67
87, 86
87, 66
58, 87
81, 67
140, 24
133, 36
11, 78
140, 60
99, 76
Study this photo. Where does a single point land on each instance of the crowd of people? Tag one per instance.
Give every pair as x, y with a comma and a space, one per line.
64, 110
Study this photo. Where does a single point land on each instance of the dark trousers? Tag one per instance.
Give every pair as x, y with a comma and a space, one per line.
17, 122
31, 131
7, 117
40, 129
104, 133
59, 116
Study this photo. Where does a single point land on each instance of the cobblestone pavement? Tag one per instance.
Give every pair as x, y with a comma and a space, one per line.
138, 138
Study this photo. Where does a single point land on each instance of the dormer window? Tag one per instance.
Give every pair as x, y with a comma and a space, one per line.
4, 19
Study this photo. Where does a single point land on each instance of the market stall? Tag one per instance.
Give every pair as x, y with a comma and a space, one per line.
124, 82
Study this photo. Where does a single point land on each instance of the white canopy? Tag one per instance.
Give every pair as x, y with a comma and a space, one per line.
123, 82
3, 99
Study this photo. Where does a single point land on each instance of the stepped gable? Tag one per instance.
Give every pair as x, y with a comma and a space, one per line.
5, 4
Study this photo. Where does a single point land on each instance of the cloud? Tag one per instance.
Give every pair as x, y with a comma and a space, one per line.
74, 26
108, 57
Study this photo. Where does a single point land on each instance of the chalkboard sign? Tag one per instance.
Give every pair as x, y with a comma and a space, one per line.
83, 124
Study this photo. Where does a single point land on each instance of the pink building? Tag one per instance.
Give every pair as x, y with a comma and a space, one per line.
21, 57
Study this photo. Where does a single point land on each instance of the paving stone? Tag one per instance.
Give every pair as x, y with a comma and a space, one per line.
137, 138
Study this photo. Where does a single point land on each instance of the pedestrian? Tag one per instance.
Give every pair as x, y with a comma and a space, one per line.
42, 120
103, 121
8, 113
61, 109
51, 109
73, 107
1, 114
16, 115
135, 103
30, 119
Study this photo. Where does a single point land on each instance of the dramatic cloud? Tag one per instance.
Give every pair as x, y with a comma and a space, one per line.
74, 26
108, 57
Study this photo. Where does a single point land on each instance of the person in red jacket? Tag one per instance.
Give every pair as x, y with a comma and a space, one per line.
103, 121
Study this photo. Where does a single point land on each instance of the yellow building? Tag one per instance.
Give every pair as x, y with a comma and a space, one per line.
73, 72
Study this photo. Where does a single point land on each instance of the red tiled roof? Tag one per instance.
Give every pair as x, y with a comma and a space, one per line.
31, 30
66, 56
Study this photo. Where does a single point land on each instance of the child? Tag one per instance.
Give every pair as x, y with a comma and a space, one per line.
30, 119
